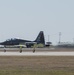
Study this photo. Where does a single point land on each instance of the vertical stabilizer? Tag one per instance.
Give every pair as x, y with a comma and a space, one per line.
40, 38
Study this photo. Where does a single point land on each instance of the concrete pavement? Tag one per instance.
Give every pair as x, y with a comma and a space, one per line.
37, 54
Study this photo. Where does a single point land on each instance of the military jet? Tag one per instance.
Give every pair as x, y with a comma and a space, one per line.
25, 43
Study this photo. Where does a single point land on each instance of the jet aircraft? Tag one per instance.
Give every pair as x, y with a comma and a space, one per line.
16, 42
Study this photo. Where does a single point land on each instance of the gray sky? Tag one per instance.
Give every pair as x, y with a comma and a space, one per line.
26, 18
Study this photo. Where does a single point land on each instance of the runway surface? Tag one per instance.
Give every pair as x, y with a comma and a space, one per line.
37, 54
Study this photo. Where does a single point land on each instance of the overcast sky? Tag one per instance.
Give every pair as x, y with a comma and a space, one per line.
24, 19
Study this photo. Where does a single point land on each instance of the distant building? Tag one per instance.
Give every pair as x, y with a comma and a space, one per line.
66, 45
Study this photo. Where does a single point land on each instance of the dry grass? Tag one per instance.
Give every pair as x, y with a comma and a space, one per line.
36, 65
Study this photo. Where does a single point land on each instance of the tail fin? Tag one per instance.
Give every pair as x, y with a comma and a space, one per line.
40, 38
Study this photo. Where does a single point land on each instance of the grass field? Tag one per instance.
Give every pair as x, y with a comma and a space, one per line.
36, 65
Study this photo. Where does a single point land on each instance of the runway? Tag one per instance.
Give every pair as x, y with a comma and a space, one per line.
37, 54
